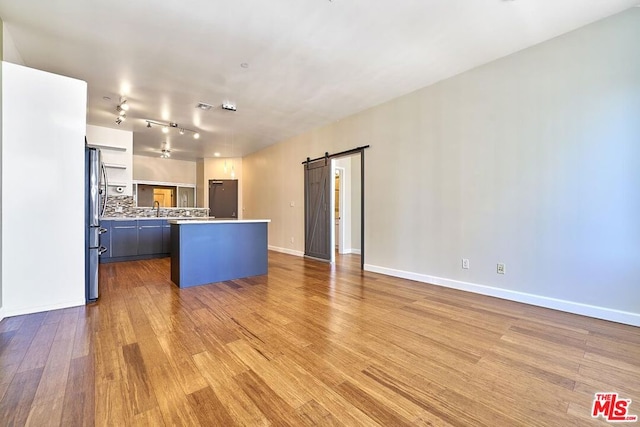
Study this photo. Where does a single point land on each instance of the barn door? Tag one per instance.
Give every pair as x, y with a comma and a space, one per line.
317, 213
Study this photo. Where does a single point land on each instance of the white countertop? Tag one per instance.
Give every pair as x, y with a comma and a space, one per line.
134, 218
212, 220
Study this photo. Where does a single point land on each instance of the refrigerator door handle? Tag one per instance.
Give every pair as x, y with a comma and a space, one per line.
102, 230
105, 183
101, 250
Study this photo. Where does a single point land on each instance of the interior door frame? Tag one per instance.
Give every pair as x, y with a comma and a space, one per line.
342, 206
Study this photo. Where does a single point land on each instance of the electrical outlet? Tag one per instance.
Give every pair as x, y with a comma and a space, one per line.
501, 268
292, 204
465, 263
119, 209
187, 213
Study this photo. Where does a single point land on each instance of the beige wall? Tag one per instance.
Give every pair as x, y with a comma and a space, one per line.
532, 160
273, 181
147, 168
200, 184
214, 168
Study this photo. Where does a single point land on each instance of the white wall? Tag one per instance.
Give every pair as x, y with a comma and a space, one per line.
43, 229
147, 168
1, 55
116, 148
532, 160
9, 51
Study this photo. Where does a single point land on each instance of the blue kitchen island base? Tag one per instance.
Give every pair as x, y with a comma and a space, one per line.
212, 251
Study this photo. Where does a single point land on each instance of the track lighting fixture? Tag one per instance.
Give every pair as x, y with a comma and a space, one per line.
166, 153
122, 109
167, 126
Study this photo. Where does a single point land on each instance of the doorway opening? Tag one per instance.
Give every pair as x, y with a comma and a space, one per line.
347, 204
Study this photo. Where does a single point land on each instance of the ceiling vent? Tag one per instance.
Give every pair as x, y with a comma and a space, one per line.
229, 106
204, 106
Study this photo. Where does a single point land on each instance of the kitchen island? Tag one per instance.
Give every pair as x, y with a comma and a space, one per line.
214, 250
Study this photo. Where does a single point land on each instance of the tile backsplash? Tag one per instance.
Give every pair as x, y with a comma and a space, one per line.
129, 210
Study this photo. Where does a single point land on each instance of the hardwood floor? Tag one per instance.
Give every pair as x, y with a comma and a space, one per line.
309, 344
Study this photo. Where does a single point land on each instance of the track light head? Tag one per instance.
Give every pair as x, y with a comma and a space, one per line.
196, 135
122, 111
148, 124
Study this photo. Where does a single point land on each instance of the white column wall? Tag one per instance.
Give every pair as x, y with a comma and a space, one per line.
43, 257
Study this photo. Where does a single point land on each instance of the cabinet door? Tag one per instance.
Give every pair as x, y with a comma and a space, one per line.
166, 238
150, 237
105, 239
124, 238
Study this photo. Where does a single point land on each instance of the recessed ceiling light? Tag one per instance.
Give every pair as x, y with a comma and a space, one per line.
204, 106
244, 65
216, 154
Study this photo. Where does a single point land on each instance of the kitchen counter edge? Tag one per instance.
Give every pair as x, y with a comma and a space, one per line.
215, 221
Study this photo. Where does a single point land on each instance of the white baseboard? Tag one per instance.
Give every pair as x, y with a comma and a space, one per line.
350, 251
603, 313
286, 251
39, 309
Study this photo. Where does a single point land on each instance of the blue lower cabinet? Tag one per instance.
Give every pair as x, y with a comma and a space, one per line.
124, 238
150, 237
129, 240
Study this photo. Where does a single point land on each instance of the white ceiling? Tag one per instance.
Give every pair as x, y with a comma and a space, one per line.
311, 62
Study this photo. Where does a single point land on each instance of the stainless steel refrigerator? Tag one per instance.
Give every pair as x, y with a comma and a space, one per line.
95, 200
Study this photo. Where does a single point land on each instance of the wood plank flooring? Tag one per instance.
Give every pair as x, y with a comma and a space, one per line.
309, 344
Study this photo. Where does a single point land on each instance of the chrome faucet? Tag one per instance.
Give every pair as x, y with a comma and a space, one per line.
157, 208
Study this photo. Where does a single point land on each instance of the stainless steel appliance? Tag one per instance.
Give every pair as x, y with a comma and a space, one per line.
95, 183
